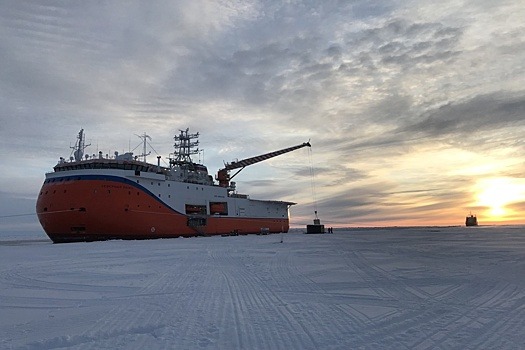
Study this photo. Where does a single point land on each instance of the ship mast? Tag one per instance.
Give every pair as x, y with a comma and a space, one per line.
144, 137
80, 146
185, 147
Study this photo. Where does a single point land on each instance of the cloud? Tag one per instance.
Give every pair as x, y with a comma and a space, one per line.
398, 99
471, 119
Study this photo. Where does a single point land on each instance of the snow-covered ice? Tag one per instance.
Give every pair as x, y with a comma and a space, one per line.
394, 288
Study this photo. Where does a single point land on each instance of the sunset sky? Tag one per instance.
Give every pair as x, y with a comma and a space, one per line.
415, 109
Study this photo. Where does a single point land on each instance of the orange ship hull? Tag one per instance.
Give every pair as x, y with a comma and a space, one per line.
73, 210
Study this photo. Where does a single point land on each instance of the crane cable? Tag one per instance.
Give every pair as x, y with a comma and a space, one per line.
312, 180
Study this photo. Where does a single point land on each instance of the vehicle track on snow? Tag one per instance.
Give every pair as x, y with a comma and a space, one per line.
308, 297
150, 309
402, 290
256, 308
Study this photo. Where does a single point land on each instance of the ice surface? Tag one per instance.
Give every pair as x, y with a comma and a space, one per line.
395, 288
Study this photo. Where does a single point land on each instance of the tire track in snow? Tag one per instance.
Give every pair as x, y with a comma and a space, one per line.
499, 311
303, 294
443, 324
409, 309
253, 300
247, 302
488, 301
265, 295
143, 314
161, 296
310, 299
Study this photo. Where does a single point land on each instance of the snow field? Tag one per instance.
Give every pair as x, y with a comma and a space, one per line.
395, 288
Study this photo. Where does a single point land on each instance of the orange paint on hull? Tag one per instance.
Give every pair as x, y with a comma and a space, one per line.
89, 210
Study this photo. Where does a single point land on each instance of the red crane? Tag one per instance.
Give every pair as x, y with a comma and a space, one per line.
223, 175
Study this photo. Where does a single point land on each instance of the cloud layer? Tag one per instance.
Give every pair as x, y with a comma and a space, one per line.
408, 105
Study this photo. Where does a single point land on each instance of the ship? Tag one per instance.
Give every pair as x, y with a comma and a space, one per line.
471, 220
96, 197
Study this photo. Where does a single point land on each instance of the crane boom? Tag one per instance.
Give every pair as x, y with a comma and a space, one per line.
223, 174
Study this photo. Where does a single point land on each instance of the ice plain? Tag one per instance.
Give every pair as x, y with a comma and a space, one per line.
388, 288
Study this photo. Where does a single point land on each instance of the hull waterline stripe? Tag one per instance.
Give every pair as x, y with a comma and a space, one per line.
112, 178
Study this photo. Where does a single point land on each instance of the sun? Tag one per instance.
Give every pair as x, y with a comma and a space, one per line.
498, 193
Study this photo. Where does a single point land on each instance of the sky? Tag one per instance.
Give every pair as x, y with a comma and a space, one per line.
415, 109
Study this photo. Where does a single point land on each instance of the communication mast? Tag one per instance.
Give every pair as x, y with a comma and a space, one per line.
80, 146
185, 147
144, 137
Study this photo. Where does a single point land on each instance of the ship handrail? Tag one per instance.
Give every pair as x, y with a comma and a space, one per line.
108, 164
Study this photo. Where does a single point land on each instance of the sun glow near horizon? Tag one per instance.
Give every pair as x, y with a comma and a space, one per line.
496, 194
